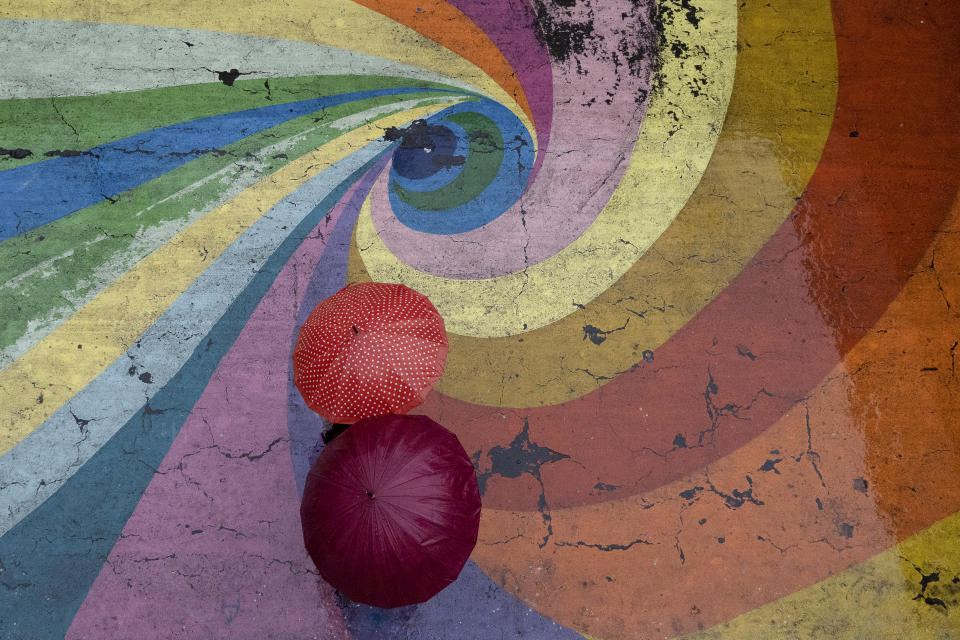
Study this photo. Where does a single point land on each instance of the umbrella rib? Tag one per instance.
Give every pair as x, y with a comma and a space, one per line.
392, 313
434, 472
389, 548
337, 483
418, 514
335, 364
428, 474
365, 543
349, 470
394, 541
407, 461
336, 515
421, 568
376, 458
339, 388
352, 451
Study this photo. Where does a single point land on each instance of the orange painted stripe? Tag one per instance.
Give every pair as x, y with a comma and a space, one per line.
449, 27
867, 460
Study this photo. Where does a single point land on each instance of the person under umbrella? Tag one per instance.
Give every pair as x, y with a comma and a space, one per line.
370, 349
391, 510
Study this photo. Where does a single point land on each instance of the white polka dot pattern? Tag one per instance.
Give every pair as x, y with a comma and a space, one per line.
369, 349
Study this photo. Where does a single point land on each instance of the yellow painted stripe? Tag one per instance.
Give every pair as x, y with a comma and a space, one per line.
777, 123
874, 599
335, 23
44, 378
665, 167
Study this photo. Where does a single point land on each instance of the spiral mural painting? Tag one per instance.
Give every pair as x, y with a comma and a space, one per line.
698, 261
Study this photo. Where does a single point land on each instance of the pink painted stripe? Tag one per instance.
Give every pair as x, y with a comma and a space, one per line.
510, 25
590, 144
214, 548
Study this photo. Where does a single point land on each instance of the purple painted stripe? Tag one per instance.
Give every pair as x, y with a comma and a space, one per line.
329, 276
600, 101
473, 601
509, 25
214, 547
218, 527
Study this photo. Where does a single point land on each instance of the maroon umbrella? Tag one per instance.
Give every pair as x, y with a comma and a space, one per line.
391, 510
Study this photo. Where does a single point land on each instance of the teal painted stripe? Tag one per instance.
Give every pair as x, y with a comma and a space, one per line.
52, 557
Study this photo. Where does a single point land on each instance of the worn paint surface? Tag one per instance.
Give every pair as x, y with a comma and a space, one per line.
699, 262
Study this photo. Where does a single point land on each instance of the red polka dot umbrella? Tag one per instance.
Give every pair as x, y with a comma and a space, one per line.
368, 350
391, 510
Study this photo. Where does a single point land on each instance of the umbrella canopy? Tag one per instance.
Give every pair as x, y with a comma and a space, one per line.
391, 510
369, 349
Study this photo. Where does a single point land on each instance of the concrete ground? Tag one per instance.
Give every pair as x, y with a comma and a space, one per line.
699, 266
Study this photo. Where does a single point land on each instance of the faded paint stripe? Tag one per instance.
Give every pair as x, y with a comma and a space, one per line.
39, 465
79, 524
148, 57
349, 29
665, 168
60, 365
81, 255
45, 191
776, 127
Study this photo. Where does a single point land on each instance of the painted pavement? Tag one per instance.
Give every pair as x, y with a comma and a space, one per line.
699, 262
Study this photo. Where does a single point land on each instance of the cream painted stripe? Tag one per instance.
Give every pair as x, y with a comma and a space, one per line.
336, 23
666, 165
142, 57
239, 175
39, 465
65, 361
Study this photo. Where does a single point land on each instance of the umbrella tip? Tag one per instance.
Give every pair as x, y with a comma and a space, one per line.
370, 494
354, 329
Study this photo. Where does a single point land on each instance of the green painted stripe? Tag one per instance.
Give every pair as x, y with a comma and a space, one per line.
41, 125
482, 165
82, 253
